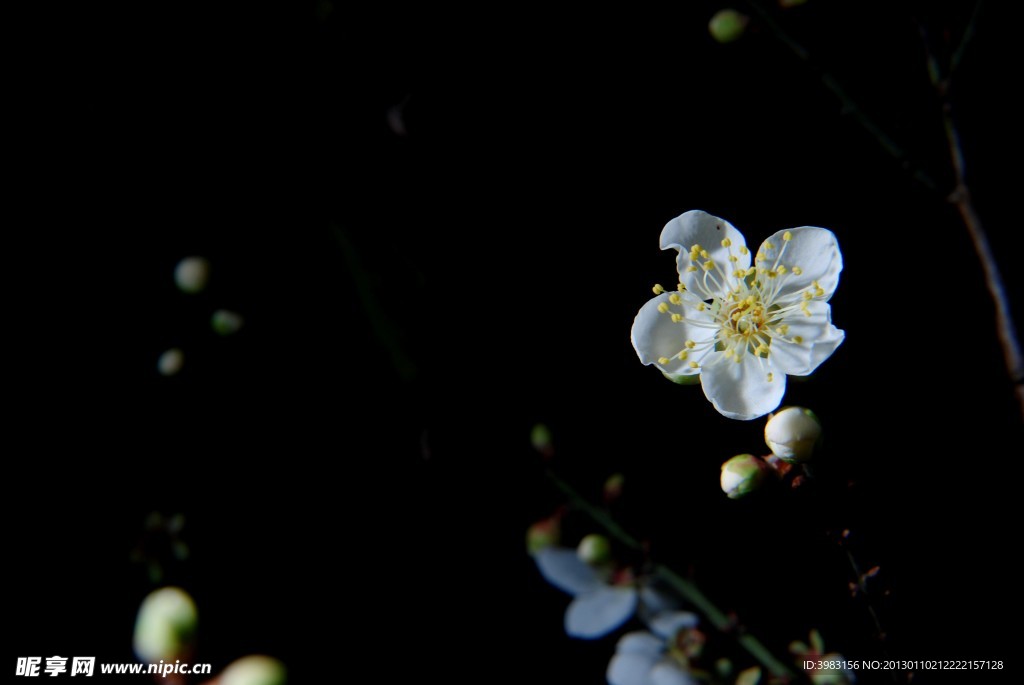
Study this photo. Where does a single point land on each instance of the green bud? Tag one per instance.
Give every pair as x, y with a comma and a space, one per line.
743, 474
613, 487
540, 438
254, 670
226, 322
792, 434
727, 25
191, 274
594, 549
544, 533
165, 625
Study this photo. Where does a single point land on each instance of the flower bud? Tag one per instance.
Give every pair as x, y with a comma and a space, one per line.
743, 474
792, 434
170, 362
613, 487
165, 625
191, 274
254, 670
594, 549
225, 322
540, 438
727, 25
544, 533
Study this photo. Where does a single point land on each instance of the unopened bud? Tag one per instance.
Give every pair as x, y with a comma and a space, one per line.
225, 322
793, 433
544, 533
165, 625
540, 438
727, 25
254, 670
613, 487
191, 274
743, 474
170, 362
594, 549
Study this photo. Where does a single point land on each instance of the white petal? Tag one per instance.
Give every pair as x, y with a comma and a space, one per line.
669, 623
667, 673
563, 568
741, 390
700, 228
640, 642
656, 602
656, 336
597, 613
813, 251
819, 339
630, 669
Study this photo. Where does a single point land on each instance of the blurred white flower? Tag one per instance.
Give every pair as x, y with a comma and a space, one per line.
598, 606
655, 657
742, 327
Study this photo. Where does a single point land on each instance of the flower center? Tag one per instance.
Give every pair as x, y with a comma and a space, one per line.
744, 324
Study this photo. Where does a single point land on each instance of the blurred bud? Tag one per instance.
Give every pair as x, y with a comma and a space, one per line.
613, 487
225, 322
793, 433
254, 670
540, 438
750, 676
191, 274
165, 625
544, 533
692, 379
743, 474
170, 362
727, 25
594, 549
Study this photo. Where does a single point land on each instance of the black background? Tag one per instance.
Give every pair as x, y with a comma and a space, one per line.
354, 466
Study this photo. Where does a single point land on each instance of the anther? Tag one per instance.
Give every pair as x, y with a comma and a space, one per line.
658, 290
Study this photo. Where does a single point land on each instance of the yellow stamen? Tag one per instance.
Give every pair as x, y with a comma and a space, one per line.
658, 290
787, 236
694, 365
663, 360
726, 242
663, 307
677, 318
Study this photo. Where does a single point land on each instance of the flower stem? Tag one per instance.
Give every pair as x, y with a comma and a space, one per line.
687, 589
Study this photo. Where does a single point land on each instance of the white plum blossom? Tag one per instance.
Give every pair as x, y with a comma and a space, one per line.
656, 657
742, 322
598, 606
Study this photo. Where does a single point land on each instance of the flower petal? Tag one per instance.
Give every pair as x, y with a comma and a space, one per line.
818, 339
630, 669
708, 233
566, 571
640, 642
810, 256
741, 390
667, 624
667, 673
656, 336
597, 613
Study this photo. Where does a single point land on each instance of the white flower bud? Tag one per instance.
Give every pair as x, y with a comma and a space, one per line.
170, 362
792, 433
191, 274
254, 670
743, 474
594, 549
165, 625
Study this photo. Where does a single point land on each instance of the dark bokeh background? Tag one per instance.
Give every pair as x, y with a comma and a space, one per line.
354, 466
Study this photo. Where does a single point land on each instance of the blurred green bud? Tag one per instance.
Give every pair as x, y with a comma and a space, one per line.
165, 625
254, 670
544, 533
191, 274
613, 487
225, 322
692, 379
792, 434
540, 438
743, 474
170, 362
594, 549
727, 25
